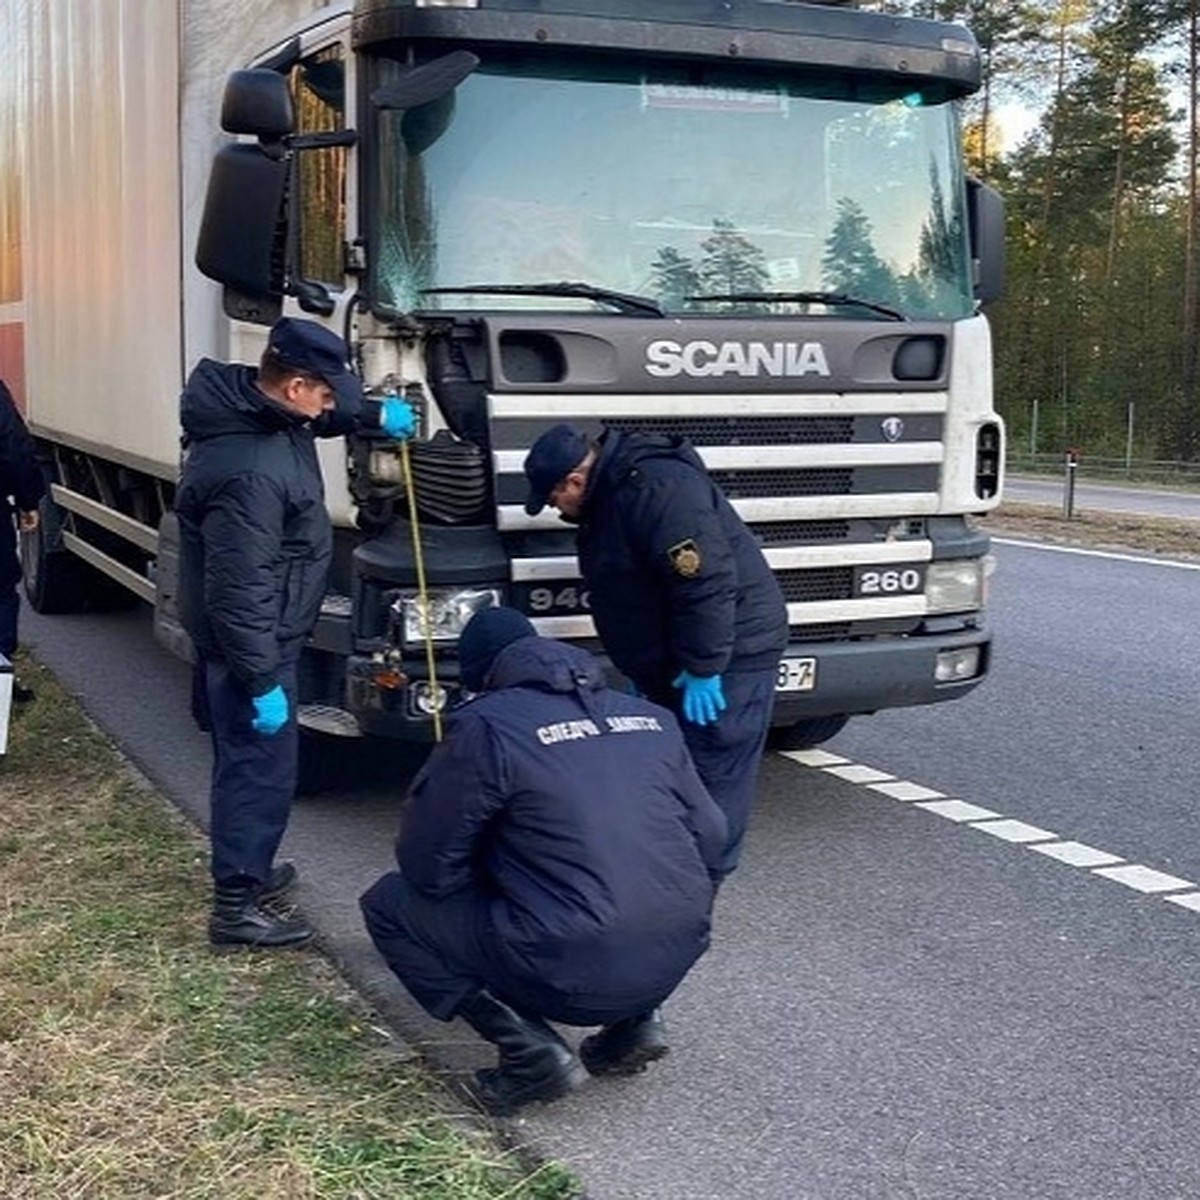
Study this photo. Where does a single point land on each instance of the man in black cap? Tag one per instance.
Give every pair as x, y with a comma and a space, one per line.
256, 543
556, 863
681, 594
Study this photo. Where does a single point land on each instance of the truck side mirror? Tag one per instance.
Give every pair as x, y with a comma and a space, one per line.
258, 102
238, 241
428, 82
985, 225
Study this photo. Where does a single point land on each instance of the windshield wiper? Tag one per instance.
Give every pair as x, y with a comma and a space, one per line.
842, 299
621, 301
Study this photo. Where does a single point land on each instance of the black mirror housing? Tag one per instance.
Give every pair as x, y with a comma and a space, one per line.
238, 238
258, 102
985, 223
428, 82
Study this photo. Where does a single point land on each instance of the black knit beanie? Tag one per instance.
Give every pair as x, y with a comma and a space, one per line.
486, 634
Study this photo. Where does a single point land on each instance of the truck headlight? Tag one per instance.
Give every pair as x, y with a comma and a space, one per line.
956, 585
442, 616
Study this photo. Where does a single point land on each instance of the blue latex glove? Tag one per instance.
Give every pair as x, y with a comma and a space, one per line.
703, 697
270, 711
397, 419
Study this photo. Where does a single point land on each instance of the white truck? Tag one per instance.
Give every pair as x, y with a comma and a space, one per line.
743, 221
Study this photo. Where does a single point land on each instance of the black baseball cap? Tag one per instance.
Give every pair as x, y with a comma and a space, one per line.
311, 348
555, 454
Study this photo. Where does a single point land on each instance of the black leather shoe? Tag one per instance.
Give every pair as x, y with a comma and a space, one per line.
535, 1063
239, 920
626, 1047
283, 876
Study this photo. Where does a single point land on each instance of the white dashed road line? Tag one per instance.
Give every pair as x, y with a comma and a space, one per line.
1146, 880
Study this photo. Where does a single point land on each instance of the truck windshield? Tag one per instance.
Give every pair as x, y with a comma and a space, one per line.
702, 189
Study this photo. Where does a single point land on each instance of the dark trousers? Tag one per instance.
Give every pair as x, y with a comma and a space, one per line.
10, 608
443, 950
253, 776
439, 949
728, 754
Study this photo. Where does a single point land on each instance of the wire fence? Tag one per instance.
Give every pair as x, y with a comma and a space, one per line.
1132, 470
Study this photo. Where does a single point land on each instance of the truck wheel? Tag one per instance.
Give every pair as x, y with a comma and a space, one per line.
803, 735
55, 580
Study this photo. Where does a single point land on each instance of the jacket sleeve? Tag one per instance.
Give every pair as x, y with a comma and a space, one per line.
242, 530
448, 810
343, 419
20, 472
673, 520
704, 819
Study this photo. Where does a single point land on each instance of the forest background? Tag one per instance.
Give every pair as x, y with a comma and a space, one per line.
1096, 338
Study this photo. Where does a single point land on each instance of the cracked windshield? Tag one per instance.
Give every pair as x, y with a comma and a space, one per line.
744, 189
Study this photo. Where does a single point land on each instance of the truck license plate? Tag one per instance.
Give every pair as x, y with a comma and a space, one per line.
796, 675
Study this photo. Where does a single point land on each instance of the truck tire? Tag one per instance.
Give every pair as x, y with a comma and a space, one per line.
803, 735
55, 580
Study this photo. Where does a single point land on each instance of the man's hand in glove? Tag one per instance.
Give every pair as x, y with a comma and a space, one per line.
397, 419
703, 697
270, 711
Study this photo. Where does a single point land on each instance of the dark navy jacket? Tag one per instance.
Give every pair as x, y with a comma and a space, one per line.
22, 483
577, 811
676, 580
256, 539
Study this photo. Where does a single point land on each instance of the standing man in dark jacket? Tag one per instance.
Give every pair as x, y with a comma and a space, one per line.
256, 543
22, 485
682, 596
556, 859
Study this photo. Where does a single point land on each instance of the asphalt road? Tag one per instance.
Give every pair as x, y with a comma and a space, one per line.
1105, 497
898, 1003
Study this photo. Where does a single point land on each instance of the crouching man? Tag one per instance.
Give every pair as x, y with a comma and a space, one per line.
556, 864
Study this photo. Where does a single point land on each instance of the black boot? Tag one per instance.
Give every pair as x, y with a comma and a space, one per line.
283, 876
626, 1047
535, 1063
239, 920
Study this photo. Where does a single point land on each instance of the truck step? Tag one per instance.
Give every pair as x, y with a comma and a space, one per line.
324, 718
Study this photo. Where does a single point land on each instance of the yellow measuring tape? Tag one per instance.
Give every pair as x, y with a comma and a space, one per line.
422, 591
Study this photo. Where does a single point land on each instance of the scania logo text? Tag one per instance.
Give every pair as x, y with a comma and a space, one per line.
701, 359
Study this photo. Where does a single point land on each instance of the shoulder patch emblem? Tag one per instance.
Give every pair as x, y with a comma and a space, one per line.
685, 559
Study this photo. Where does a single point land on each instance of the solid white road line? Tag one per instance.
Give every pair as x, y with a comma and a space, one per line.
1130, 558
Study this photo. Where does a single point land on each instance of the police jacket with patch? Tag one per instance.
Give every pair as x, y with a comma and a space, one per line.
22, 483
577, 810
676, 579
255, 536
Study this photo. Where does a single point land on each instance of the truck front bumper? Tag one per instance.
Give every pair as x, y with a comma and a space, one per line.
849, 678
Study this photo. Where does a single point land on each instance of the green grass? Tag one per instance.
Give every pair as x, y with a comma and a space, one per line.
134, 1062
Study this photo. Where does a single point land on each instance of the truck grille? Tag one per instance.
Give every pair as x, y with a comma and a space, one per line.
849, 474
819, 482
821, 583
747, 431
790, 533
